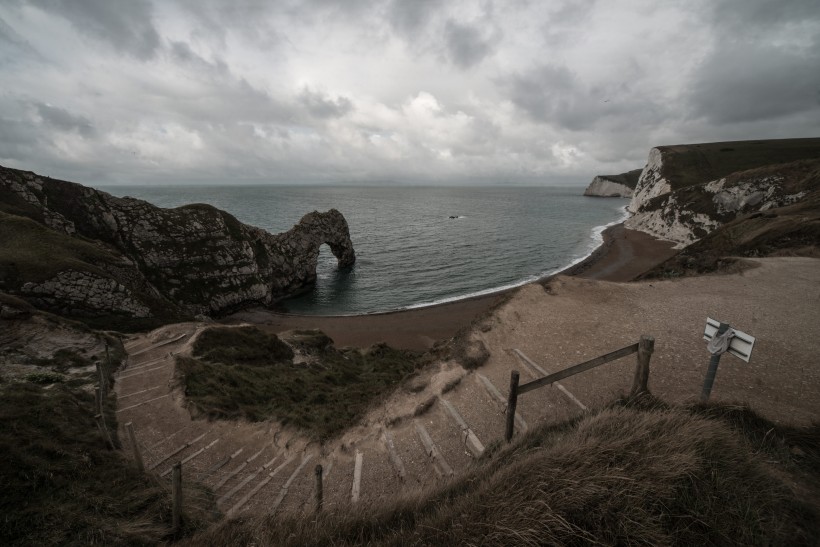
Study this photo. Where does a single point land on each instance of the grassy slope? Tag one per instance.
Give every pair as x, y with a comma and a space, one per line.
61, 486
629, 179
245, 373
637, 472
29, 251
688, 164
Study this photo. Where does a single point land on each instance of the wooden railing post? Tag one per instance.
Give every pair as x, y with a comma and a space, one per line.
646, 346
512, 401
129, 427
318, 489
176, 497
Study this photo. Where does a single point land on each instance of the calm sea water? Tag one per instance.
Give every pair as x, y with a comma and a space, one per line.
409, 252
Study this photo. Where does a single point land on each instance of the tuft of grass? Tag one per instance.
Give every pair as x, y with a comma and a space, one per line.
470, 353
44, 378
631, 473
236, 375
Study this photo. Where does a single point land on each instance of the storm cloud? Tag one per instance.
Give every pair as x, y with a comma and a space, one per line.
468, 91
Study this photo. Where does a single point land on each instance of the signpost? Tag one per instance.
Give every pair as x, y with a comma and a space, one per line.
739, 344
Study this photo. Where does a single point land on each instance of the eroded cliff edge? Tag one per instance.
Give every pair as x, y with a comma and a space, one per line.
687, 191
78, 251
613, 186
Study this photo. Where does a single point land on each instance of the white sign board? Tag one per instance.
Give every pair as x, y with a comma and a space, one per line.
741, 344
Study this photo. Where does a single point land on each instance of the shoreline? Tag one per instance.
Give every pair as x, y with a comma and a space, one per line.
623, 255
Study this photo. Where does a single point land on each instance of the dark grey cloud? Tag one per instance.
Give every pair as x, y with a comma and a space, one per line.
127, 26
750, 16
467, 45
743, 82
13, 47
18, 140
63, 120
411, 18
553, 94
764, 64
321, 105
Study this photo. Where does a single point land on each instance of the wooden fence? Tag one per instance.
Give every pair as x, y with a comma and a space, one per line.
644, 348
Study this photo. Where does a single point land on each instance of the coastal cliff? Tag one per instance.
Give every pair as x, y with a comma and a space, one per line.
613, 186
78, 251
687, 191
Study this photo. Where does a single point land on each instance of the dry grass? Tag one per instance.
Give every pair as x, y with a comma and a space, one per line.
627, 474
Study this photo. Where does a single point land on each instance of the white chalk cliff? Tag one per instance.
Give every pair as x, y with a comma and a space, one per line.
604, 187
687, 214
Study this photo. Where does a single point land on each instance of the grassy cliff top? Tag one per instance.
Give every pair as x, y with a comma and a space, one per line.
688, 164
629, 179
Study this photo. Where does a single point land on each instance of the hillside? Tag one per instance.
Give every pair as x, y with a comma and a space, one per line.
634, 472
690, 213
62, 483
81, 252
674, 167
620, 185
793, 230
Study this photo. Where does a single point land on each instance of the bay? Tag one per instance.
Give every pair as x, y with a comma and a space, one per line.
409, 251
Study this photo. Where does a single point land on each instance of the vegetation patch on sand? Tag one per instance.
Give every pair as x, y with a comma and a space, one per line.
635, 472
246, 373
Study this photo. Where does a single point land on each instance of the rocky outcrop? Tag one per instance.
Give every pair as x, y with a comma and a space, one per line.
126, 256
613, 186
690, 213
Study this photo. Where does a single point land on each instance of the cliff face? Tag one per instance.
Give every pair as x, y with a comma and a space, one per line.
128, 257
690, 213
613, 186
674, 167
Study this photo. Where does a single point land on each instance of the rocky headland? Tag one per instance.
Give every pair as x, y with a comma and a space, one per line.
614, 186
81, 252
686, 192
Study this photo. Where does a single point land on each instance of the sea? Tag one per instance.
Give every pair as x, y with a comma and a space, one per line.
418, 246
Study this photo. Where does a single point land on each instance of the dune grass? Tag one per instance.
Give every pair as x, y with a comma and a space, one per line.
245, 373
635, 472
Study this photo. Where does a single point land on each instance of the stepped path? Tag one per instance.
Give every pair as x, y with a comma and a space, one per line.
433, 429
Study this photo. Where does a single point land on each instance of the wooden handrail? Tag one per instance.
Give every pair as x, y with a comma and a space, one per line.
582, 367
644, 349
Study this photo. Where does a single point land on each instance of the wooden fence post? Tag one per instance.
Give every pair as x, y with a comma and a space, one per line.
104, 430
129, 427
512, 401
103, 390
711, 372
646, 346
318, 489
176, 494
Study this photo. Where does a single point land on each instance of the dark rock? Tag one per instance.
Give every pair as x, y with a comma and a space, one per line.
138, 260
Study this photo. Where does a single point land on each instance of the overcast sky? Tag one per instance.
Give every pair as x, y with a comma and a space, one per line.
404, 91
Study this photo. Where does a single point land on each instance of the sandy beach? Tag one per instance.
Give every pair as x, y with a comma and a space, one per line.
623, 255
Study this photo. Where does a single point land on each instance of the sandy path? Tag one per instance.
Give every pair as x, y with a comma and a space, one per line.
576, 319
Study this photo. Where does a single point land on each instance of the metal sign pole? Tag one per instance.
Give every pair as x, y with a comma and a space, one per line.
711, 372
